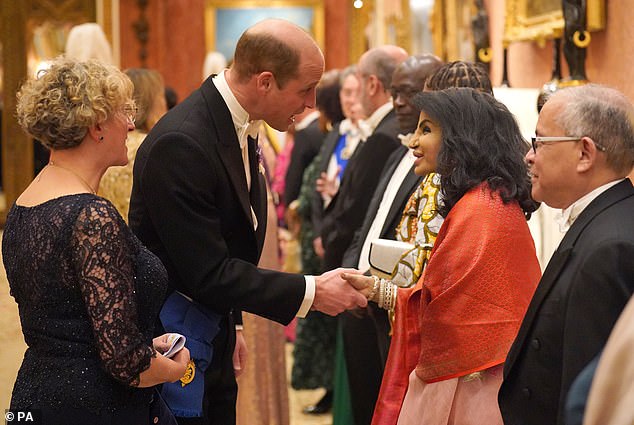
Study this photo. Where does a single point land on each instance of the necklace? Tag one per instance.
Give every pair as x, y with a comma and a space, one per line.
80, 178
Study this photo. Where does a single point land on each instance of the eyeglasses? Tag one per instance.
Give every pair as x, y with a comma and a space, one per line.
538, 141
130, 113
404, 92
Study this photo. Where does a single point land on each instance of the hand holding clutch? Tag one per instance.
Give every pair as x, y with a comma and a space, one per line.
169, 344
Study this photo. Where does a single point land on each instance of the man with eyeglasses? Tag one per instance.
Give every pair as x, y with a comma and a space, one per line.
580, 157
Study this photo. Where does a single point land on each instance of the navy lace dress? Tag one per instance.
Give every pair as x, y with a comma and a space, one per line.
88, 294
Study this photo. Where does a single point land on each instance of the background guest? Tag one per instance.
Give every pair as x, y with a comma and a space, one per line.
313, 352
116, 184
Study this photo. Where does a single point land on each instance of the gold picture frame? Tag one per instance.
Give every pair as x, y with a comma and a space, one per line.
540, 20
237, 15
451, 30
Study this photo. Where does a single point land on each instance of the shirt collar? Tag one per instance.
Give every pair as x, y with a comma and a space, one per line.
570, 214
380, 113
240, 117
307, 120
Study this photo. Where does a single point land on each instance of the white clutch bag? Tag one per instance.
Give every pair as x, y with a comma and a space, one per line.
385, 255
395, 260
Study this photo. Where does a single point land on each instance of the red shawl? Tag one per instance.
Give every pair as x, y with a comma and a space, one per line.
464, 313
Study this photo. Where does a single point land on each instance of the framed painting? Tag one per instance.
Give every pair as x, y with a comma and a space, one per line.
539, 20
450, 24
226, 20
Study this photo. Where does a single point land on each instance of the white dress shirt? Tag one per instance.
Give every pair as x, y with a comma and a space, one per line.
570, 214
396, 180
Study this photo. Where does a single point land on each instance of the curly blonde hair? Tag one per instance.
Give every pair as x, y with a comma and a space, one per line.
59, 105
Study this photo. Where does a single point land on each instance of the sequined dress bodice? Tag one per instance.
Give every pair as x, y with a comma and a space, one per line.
88, 295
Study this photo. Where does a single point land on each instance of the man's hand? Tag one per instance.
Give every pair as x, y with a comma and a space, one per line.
333, 295
319, 247
326, 186
239, 354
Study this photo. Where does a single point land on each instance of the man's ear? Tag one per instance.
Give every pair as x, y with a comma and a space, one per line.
588, 152
264, 82
374, 85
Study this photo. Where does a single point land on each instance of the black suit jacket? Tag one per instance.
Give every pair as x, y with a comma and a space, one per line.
347, 210
583, 290
190, 205
388, 231
307, 144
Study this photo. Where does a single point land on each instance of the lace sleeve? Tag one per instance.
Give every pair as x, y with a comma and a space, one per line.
103, 257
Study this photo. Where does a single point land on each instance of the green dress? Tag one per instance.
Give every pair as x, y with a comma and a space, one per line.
314, 350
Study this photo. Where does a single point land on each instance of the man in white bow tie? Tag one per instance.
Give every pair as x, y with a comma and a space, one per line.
578, 162
198, 199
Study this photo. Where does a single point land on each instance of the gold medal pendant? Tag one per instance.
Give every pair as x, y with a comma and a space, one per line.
190, 372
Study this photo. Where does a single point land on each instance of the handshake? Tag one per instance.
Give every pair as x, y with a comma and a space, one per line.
341, 289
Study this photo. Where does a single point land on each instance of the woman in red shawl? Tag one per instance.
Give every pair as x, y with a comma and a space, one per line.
483, 270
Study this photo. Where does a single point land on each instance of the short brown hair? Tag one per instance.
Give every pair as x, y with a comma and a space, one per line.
258, 52
59, 105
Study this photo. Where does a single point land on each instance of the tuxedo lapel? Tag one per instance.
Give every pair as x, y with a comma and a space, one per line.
375, 203
552, 272
257, 194
560, 258
404, 192
228, 146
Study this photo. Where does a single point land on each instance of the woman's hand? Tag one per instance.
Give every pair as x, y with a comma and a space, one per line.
161, 343
361, 283
178, 362
179, 366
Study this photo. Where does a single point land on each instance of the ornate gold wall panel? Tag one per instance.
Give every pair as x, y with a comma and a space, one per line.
539, 20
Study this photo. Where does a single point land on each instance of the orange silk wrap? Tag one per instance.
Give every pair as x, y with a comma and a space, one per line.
464, 313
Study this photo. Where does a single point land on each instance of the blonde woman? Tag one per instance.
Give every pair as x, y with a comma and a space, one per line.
88, 292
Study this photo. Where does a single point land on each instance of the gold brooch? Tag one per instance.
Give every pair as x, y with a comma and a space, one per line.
190, 372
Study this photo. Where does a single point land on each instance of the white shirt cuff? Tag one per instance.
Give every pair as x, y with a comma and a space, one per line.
309, 297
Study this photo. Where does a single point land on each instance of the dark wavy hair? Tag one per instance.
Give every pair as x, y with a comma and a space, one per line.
480, 141
327, 96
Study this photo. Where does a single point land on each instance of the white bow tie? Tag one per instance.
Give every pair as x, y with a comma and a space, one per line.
361, 130
405, 139
346, 127
251, 128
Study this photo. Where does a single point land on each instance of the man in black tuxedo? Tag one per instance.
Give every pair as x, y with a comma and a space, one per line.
199, 198
307, 139
581, 156
365, 333
346, 132
346, 211
345, 214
